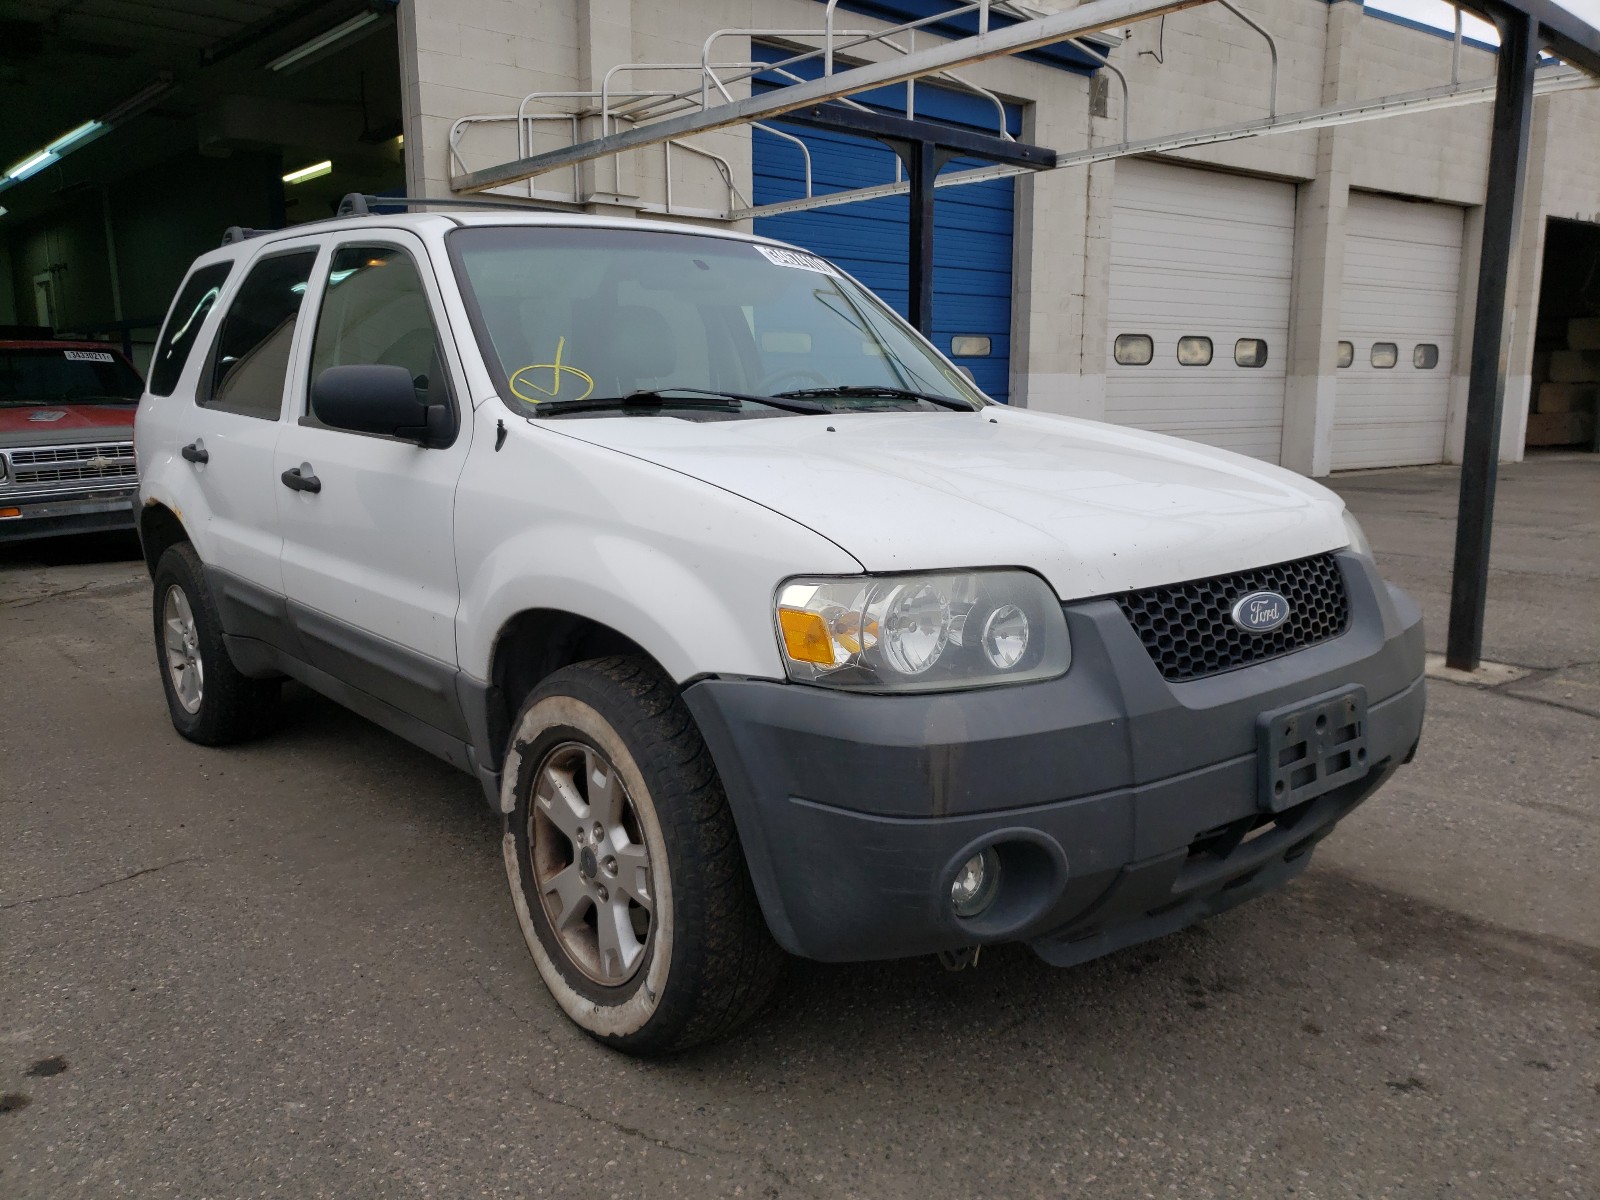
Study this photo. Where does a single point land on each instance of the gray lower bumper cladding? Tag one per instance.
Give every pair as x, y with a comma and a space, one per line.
1120, 806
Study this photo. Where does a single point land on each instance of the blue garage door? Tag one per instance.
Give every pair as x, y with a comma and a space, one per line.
972, 223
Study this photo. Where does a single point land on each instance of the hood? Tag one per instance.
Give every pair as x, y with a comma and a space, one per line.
35, 424
1094, 508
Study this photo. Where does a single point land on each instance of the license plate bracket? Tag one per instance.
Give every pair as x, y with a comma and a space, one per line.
1306, 749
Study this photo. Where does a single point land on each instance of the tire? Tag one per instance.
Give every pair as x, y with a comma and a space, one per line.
209, 700
689, 957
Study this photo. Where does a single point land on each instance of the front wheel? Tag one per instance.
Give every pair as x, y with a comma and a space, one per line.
209, 700
624, 865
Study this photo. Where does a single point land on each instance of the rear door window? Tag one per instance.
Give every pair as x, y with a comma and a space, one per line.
251, 358
188, 316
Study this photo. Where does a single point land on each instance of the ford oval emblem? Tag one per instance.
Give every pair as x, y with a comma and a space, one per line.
1260, 612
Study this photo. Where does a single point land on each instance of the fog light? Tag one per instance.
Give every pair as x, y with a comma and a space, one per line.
975, 884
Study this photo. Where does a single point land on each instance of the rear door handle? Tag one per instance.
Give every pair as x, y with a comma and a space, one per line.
195, 453
301, 479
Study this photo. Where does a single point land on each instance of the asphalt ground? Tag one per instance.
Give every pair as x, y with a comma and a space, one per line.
291, 969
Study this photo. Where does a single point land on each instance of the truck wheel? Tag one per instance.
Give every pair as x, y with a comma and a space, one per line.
624, 864
210, 701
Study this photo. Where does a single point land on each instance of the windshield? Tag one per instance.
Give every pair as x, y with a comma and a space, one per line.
47, 375
573, 314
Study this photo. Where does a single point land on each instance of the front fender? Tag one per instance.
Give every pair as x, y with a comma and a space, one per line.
683, 568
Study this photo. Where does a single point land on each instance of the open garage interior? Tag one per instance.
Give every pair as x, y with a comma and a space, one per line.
144, 130
1566, 357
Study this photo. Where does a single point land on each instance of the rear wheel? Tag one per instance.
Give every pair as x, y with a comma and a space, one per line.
624, 865
209, 700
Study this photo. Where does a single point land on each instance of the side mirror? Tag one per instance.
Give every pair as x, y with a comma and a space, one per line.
380, 399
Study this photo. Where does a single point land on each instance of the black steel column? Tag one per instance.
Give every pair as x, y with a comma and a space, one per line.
922, 164
1486, 388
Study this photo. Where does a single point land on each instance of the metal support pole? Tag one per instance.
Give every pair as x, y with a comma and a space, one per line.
1486, 388
923, 164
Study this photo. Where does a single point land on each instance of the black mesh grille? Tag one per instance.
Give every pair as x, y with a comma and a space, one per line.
1189, 632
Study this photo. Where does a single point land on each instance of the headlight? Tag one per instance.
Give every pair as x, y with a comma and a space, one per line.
1358, 538
922, 633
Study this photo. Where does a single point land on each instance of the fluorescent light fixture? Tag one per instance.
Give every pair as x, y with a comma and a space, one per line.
323, 40
31, 165
314, 171
76, 139
60, 145
40, 159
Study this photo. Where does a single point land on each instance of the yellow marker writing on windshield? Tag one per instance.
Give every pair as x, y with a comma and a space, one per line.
557, 369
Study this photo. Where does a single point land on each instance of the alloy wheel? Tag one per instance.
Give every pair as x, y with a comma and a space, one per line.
181, 642
590, 864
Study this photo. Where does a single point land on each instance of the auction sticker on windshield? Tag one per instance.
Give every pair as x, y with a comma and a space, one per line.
798, 259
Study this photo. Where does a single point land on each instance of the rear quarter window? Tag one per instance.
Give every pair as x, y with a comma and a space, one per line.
195, 300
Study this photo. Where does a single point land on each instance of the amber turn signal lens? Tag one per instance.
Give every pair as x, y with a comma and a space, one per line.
805, 636
17, 512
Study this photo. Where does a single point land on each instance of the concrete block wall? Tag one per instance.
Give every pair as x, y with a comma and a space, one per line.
1215, 70
1441, 155
464, 57
1570, 179
1062, 251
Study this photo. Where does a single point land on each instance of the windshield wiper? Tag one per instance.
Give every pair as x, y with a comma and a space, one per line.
701, 398
641, 401
870, 390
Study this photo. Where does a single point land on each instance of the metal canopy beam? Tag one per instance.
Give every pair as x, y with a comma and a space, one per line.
1566, 35
1486, 385
887, 128
1549, 80
1092, 17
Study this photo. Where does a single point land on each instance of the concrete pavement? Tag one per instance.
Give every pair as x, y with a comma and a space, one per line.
291, 969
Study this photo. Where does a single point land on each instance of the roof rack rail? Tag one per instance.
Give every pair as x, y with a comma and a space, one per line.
358, 204
238, 233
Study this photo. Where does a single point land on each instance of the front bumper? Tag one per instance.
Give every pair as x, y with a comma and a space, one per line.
101, 511
1122, 806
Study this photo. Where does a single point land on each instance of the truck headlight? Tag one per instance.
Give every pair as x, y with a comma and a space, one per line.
1358, 537
922, 633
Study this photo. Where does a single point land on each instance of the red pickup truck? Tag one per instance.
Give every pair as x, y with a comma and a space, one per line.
66, 438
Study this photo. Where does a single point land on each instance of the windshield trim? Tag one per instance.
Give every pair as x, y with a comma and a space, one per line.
496, 370
35, 402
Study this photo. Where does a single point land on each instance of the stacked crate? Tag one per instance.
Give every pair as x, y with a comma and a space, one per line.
1566, 392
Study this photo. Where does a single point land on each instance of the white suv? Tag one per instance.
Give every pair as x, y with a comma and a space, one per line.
757, 622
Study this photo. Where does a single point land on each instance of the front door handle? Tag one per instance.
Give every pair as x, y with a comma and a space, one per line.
301, 479
196, 453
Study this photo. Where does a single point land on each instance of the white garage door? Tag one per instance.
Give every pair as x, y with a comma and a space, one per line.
1402, 267
1205, 258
